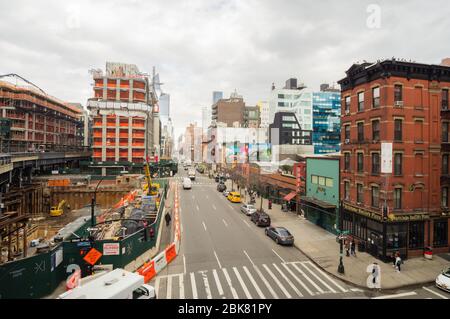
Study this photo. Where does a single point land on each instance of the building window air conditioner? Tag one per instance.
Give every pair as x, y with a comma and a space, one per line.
398, 104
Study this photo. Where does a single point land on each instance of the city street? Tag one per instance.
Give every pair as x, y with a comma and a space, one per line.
224, 255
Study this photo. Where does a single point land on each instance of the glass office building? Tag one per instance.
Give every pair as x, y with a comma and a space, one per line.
326, 122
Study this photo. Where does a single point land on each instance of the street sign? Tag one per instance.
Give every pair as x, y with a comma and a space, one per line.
92, 256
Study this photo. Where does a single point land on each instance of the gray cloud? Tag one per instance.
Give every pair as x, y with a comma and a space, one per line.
200, 46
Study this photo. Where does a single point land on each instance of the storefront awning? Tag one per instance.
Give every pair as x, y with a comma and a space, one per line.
318, 202
290, 196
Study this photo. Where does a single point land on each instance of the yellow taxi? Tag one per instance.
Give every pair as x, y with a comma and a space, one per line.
234, 197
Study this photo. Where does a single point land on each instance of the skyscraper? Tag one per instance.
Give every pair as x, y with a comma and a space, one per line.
217, 95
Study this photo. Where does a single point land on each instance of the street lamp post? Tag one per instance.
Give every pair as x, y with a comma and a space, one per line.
340, 269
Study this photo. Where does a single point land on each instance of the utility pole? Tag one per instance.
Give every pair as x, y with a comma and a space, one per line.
341, 269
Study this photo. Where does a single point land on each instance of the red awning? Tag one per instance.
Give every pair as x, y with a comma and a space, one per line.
290, 196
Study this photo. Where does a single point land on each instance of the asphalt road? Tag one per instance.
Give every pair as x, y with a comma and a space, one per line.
223, 255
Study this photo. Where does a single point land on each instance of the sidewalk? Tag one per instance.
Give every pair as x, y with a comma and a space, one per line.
321, 247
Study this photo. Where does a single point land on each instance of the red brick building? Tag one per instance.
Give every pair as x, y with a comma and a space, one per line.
405, 104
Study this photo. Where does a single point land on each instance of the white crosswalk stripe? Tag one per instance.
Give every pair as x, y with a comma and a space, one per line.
297, 279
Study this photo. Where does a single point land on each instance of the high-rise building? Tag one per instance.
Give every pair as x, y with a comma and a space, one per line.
295, 98
217, 95
31, 118
229, 111
122, 112
395, 168
206, 118
264, 111
326, 120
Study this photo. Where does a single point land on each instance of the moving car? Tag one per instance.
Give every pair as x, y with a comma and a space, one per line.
260, 218
234, 197
221, 187
443, 280
248, 209
187, 183
280, 234
191, 174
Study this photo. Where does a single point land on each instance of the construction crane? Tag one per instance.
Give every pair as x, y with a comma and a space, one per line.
153, 188
58, 210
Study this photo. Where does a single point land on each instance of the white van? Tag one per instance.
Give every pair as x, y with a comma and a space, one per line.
187, 183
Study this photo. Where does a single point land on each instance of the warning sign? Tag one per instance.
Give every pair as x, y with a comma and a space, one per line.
92, 256
111, 249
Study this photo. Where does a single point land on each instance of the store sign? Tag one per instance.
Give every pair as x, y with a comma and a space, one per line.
111, 249
386, 158
299, 175
363, 212
406, 218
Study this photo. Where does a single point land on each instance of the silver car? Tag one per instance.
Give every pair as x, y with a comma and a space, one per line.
248, 209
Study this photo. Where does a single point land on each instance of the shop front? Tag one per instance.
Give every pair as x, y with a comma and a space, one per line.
321, 213
383, 237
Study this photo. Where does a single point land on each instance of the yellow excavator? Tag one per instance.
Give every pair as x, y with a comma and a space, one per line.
58, 210
154, 187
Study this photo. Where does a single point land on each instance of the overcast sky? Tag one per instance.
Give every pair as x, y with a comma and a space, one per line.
201, 46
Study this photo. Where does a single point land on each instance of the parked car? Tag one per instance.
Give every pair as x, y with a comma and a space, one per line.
443, 280
226, 193
248, 209
281, 235
260, 218
221, 187
187, 183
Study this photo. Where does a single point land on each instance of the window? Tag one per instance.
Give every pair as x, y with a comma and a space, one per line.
281, 96
359, 193
376, 97
375, 163
360, 168
306, 111
445, 132
440, 238
321, 181
288, 118
444, 164
398, 130
347, 103
418, 96
360, 132
347, 161
416, 235
328, 182
398, 161
398, 93
347, 132
418, 164
444, 197
397, 198
445, 99
376, 130
314, 179
418, 131
360, 101
347, 190
375, 196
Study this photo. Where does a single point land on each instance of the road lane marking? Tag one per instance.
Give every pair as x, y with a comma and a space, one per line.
206, 283
196, 206
434, 292
233, 291
194, 286
207, 197
278, 256
157, 285
288, 280
249, 258
181, 285
405, 294
238, 275
204, 226
246, 223
307, 278
214, 207
356, 290
252, 280
231, 207
277, 281
319, 279
298, 279
217, 258
226, 225
274, 294
184, 264
328, 277
218, 284
169, 287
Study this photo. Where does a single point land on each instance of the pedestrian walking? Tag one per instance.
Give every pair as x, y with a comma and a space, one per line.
347, 248
353, 248
270, 204
167, 218
398, 262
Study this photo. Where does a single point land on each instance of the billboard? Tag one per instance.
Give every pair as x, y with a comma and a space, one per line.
386, 158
